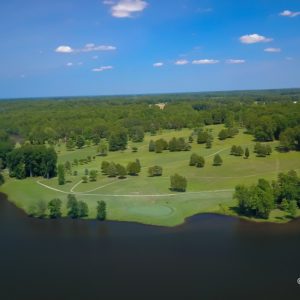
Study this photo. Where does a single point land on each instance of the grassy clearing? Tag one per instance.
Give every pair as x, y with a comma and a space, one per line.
149, 200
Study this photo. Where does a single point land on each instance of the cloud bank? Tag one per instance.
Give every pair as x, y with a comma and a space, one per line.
87, 48
205, 62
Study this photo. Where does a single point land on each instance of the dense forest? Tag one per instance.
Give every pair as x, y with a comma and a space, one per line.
267, 115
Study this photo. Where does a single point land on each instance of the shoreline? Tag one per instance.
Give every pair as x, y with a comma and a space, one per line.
186, 220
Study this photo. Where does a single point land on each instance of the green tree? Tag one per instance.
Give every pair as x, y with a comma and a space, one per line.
1, 179
61, 174
155, 171
178, 183
139, 165
173, 145
200, 162
112, 170
133, 168
233, 150
293, 208
84, 179
239, 151
96, 139
20, 172
122, 172
104, 166
202, 137
242, 195
118, 140
217, 160
151, 146
72, 206
102, 150
285, 205
161, 145
197, 160
54, 207
247, 153
258, 200
83, 210
136, 134
288, 187
70, 145
262, 150
41, 209
68, 167
209, 143
223, 134
101, 210
80, 142
194, 159
93, 175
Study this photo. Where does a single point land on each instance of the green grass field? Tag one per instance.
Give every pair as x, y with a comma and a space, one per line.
149, 200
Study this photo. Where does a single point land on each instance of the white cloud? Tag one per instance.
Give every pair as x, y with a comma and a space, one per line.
108, 2
288, 13
289, 58
126, 8
235, 61
64, 49
272, 50
205, 62
95, 57
254, 38
70, 64
158, 64
181, 62
103, 68
87, 48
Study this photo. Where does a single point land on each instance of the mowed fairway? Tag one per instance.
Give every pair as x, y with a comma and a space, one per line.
149, 200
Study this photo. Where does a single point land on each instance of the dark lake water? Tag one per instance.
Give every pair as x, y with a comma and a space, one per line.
210, 257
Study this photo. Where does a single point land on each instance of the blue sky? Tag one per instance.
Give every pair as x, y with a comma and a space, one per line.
66, 48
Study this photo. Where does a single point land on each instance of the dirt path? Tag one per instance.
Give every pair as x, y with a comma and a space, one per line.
130, 195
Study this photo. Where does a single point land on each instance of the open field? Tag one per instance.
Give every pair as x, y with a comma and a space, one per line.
149, 200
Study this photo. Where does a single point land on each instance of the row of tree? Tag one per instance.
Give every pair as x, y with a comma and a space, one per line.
117, 170
228, 133
204, 137
262, 150
199, 161
75, 209
174, 145
239, 151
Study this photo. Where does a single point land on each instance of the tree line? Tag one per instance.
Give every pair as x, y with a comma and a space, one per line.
75, 209
267, 115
